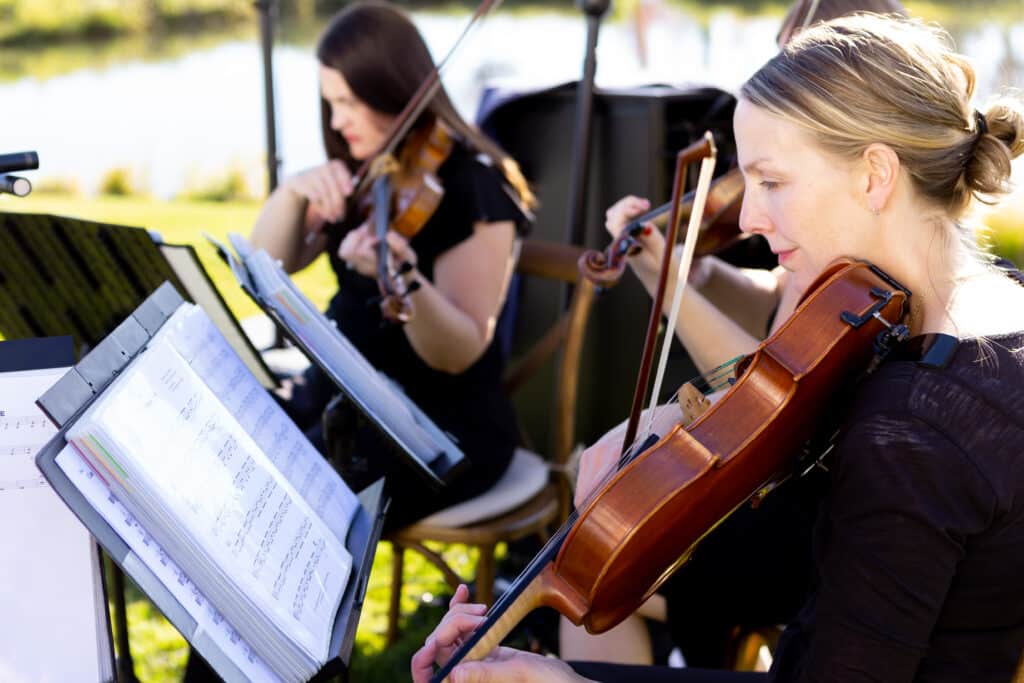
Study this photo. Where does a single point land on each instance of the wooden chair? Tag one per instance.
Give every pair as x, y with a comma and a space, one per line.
550, 505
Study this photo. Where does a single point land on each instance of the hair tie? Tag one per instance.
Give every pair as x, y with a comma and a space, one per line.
981, 123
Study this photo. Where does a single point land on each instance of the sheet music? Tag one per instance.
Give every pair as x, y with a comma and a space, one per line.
171, 575
163, 436
23, 427
200, 343
51, 599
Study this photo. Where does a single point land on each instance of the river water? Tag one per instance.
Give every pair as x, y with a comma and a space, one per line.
184, 119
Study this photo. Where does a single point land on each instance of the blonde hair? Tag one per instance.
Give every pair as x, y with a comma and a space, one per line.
867, 78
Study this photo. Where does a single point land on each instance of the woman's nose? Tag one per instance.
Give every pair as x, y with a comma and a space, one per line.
338, 119
752, 220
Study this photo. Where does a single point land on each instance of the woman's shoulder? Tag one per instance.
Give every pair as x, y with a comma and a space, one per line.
475, 191
953, 412
935, 377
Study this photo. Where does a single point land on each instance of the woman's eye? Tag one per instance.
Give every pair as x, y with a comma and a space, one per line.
769, 184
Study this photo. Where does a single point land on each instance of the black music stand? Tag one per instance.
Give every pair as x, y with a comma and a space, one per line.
65, 403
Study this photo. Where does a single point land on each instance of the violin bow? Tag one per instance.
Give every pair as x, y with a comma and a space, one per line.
808, 9
706, 151
417, 103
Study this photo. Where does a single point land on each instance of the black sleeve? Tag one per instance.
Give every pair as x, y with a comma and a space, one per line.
474, 192
905, 501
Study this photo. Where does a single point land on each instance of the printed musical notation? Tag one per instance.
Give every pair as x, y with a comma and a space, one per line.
22, 433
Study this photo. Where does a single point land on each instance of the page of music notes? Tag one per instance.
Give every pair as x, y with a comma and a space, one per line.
52, 617
176, 581
201, 344
23, 427
181, 463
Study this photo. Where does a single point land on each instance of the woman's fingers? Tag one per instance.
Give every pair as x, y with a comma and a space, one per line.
514, 666
460, 621
422, 662
399, 246
326, 187
619, 213
356, 250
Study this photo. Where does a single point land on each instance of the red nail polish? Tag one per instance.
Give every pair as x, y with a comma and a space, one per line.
648, 229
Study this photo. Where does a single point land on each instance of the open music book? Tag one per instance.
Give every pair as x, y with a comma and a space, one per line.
225, 506
426, 448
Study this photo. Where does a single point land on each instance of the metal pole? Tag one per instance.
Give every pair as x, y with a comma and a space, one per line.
594, 10
268, 13
125, 666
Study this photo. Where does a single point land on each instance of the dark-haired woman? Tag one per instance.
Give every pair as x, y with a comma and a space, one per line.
371, 61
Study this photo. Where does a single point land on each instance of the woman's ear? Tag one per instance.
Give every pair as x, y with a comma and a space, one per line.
881, 170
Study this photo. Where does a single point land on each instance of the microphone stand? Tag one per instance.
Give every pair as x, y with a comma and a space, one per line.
18, 161
268, 12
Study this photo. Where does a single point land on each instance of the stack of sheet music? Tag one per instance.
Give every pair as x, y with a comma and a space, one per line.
196, 450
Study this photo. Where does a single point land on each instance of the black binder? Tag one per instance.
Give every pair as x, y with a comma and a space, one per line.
65, 403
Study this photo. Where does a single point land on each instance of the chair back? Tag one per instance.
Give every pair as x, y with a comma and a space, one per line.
546, 354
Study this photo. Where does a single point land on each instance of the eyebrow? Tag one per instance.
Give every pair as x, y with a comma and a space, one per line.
753, 165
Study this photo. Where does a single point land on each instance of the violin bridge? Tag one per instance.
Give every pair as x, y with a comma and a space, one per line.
692, 403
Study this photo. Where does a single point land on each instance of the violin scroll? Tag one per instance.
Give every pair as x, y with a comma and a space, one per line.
605, 268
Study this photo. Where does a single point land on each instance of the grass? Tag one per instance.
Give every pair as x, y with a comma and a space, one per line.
160, 653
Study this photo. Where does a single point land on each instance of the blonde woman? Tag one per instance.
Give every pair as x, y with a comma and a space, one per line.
862, 139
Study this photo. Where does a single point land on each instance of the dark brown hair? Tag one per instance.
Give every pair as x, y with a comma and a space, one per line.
381, 55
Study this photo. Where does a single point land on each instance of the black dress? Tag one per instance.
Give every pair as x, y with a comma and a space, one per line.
918, 552
470, 406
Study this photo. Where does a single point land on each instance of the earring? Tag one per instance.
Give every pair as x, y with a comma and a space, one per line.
875, 211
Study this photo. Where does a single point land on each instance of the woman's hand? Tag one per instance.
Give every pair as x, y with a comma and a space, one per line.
358, 250
597, 462
504, 664
326, 187
651, 240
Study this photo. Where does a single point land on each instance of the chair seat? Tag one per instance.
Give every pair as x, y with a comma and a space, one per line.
523, 521
524, 477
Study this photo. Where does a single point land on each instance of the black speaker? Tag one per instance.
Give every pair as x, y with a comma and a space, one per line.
636, 134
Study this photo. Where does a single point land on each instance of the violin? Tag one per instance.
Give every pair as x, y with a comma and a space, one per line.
648, 519
413, 190
719, 229
405, 194
668, 493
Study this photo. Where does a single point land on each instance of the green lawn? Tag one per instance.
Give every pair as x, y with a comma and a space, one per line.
158, 650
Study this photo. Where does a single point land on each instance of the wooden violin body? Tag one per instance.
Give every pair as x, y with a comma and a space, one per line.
651, 515
416, 191
648, 518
